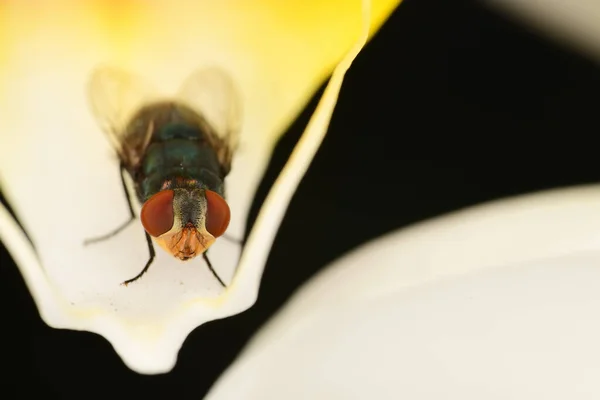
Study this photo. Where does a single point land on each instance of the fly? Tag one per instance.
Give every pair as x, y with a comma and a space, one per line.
177, 151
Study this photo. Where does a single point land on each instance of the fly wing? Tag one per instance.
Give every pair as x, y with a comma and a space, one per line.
212, 94
115, 97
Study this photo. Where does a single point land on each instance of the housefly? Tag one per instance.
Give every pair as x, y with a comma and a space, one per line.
177, 151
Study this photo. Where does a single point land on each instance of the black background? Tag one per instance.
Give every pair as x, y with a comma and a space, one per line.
450, 105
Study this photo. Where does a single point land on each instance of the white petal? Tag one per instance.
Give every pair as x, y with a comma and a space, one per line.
573, 22
499, 301
62, 180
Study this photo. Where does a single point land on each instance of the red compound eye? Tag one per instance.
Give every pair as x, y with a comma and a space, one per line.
157, 213
217, 214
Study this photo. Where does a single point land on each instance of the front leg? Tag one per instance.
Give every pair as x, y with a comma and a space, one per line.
152, 255
210, 267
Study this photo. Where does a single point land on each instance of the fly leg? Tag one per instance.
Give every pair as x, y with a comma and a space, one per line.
152, 255
232, 239
126, 223
205, 256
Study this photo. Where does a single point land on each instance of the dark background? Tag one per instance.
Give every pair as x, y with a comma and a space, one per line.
450, 105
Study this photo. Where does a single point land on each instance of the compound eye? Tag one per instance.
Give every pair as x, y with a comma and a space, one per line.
157, 213
217, 214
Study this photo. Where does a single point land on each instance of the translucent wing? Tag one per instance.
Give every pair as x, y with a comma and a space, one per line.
115, 96
212, 93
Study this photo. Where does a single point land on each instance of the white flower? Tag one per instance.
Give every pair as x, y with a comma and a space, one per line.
498, 301
61, 177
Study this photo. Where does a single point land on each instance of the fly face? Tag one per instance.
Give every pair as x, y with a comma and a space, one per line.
185, 222
177, 150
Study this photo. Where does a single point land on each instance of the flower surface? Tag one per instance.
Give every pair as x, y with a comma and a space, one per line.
497, 299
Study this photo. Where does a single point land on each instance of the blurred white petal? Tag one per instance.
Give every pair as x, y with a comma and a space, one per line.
572, 22
61, 176
499, 301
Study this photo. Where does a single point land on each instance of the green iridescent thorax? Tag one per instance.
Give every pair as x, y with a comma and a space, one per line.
180, 156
